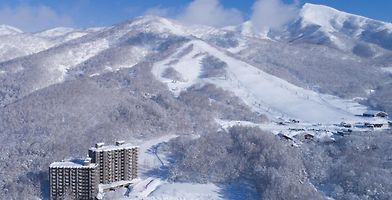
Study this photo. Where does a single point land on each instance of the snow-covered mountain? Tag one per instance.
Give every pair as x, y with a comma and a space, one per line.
9, 30
198, 62
153, 76
57, 54
324, 25
14, 43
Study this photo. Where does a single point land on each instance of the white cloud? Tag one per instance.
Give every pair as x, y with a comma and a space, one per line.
210, 12
272, 14
158, 11
33, 18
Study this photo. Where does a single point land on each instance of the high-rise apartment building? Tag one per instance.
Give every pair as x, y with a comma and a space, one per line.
112, 166
115, 162
73, 180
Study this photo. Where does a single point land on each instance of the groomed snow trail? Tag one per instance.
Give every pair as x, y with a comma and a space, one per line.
263, 92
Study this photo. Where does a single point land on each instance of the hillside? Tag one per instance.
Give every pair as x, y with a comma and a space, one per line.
201, 95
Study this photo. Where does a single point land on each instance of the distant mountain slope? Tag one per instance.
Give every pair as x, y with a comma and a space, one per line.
51, 66
14, 43
63, 89
319, 24
297, 59
325, 49
198, 62
9, 30
321, 68
63, 34
18, 45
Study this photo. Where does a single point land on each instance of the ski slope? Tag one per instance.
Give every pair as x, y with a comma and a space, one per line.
263, 92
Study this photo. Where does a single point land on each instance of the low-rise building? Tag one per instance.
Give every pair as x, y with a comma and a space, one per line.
308, 136
373, 113
346, 125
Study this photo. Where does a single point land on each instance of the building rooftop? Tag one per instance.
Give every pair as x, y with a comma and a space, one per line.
103, 187
119, 145
374, 112
73, 164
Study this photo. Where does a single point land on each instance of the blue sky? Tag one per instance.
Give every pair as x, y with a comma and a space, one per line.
34, 15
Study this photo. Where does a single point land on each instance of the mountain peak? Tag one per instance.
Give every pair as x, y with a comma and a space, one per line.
55, 32
326, 17
9, 30
148, 19
156, 24
318, 7
331, 19
309, 8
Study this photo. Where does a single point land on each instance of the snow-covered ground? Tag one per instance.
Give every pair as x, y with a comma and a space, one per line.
152, 183
19, 44
78, 55
9, 30
261, 91
387, 69
293, 129
289, 129
161, 190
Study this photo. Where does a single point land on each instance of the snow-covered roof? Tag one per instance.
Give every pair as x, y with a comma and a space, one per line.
116, 184
113, 147
379, 121
72, 164
374, 112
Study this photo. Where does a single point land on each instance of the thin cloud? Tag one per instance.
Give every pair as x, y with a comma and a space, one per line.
33, 18
272, 14
158, 11
210, 12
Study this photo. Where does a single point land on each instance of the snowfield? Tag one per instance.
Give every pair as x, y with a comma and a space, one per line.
9, 30
387, 69
153, 186
263, 92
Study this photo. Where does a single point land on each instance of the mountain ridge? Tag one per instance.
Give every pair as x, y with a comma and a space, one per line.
63, 90
146, 35
9, 30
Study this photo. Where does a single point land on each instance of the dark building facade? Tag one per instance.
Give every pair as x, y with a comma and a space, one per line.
115, 162
73, 180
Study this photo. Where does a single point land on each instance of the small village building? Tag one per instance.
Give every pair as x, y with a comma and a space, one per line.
346, 125
309, 136
373, 113
369, 125
381, 123
285, 137
294, 121
282, 123
344, 131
